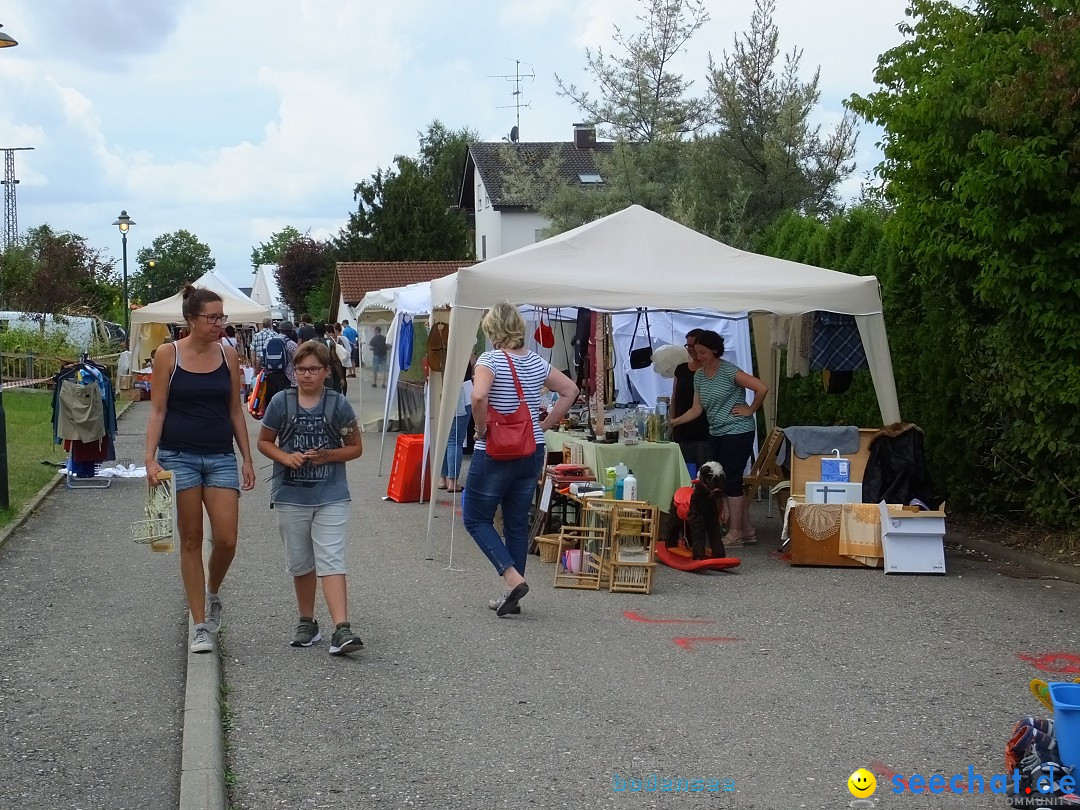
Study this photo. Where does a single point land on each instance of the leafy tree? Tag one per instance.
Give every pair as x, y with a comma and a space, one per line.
764, 138
982, 162
442, 157
52, 273
305, 266
639, 97
402, 215
271, 251
171, 261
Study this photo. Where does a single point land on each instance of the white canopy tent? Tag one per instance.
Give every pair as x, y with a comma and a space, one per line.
265, 291
238, 307
637, 258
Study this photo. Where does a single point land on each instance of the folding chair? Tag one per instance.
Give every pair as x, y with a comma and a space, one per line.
765, 472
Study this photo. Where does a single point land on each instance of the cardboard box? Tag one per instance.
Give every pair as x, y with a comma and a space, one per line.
914, 541
829, 492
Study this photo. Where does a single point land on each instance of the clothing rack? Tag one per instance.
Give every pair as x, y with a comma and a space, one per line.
84, 421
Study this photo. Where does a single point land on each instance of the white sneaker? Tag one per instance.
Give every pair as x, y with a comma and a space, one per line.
201, 641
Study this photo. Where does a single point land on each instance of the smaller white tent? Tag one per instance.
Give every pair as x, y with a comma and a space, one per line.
266, 292
238, 307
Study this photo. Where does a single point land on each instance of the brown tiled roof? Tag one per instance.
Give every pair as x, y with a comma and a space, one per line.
356, 279
488, 158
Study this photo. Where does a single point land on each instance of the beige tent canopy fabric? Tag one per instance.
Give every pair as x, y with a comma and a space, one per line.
637, 258
238, 306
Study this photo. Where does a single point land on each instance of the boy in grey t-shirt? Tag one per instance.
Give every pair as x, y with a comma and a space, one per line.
310, 432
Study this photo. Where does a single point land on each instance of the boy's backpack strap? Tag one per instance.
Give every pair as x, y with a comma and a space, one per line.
292, 416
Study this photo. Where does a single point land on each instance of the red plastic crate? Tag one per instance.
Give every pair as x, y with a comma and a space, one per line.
404, 486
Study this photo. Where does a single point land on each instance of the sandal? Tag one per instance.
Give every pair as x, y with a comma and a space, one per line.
455, 489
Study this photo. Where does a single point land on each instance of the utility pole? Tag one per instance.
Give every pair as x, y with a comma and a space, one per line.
11, 217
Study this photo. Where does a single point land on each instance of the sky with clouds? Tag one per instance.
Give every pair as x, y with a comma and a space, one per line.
234, 119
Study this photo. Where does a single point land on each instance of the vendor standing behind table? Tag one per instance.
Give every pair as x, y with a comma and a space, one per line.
693, 438
720, 393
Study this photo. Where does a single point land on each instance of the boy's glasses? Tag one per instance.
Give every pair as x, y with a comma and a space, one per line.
309, 369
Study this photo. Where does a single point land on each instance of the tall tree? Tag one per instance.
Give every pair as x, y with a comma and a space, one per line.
52, 273
764, 138
171, 261
638, 95
442, 157
271, 251
305, 265
402, 214
982, 163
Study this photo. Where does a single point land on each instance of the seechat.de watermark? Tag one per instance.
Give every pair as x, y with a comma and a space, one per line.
675, 784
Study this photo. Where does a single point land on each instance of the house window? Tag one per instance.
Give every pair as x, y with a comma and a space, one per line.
590, 178
479, 196
483, 247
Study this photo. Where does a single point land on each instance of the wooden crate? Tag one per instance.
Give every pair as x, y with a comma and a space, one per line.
591, 544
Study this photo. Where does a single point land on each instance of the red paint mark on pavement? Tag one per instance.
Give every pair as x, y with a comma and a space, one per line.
881, 769
637, 617
1059, 662
688, 642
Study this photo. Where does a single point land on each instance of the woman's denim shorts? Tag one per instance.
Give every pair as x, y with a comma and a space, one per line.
200, 470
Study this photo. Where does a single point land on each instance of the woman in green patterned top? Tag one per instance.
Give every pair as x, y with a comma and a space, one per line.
720, 393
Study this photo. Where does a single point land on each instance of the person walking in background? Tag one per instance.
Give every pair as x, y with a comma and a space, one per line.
346, 358
378, 356
229, 338
720, 393
336, 378
277, 359
451, 465
195, 415
353, 337
693, 438
510, 484
258, 344
306, 330
310, 432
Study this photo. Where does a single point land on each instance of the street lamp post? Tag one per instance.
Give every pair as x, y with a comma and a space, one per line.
5, 42
123, 222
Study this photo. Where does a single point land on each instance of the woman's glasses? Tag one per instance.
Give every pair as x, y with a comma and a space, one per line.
308, 369
214, 319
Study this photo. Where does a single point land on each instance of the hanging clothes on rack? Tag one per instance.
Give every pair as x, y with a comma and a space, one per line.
84, 416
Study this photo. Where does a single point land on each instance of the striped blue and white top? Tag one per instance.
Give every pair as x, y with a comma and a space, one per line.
532, 370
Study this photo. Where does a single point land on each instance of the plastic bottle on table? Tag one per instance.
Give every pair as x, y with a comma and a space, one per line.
629, 492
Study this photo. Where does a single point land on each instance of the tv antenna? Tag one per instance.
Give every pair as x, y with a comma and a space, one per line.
11, 217
517, 77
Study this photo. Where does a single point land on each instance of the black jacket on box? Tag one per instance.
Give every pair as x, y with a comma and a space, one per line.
896, 471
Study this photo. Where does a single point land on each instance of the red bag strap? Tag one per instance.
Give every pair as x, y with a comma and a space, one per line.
513, 372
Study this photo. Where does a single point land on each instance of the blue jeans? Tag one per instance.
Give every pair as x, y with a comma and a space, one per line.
511, 484
451, 463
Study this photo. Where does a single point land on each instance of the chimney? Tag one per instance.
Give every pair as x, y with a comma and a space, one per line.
584, 136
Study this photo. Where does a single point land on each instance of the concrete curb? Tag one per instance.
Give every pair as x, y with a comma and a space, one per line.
202, 767
1069, 573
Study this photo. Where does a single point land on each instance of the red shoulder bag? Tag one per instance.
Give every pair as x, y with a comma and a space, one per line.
510, 435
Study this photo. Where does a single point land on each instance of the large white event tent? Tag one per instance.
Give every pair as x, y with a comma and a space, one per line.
638, 258
238, 307
265, 291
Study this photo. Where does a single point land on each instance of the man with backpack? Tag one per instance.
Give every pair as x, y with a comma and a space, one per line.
277, 359
336, 378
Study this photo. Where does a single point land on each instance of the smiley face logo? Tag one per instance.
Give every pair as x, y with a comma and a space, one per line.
862, 784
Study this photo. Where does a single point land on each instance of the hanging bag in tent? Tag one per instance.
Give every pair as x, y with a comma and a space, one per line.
436, 346
544, 336
641, 358
510, 435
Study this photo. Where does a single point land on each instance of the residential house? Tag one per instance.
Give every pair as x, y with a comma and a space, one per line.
503, 223
353, 280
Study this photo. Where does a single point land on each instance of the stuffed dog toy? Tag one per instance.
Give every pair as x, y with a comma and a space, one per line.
702, 518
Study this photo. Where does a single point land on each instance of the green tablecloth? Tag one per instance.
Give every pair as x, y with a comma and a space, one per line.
658, 467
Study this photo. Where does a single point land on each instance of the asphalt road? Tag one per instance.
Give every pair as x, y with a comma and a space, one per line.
806, 673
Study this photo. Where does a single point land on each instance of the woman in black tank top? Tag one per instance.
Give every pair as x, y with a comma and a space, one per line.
195, 414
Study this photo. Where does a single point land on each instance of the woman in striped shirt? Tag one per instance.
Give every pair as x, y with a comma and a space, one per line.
510, 484
720, 393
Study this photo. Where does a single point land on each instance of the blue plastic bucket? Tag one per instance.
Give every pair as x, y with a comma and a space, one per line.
1066, 700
